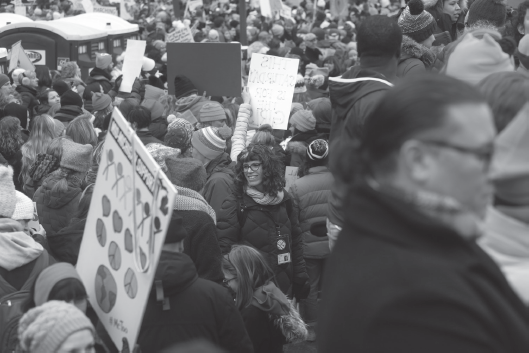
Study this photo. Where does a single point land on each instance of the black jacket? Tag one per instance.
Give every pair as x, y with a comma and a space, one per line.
265, 335
66, 243
29, 97
220, 181
146, 137
199, 309
98, 78
399, 281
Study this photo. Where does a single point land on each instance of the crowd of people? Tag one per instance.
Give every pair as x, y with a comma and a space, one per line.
405, 229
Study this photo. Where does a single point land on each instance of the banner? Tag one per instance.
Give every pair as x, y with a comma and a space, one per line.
132, 63
19, 58
125, 229
180, 35
271, 82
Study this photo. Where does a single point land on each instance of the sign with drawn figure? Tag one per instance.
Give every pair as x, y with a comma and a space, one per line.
291, 175
126, 226
180, 35
271, 82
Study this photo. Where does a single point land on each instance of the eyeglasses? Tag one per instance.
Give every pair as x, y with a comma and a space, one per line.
227, 281
254, 167
482, 155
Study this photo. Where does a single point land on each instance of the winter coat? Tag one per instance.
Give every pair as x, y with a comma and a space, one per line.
505, 240
414, 58
66, 243
15, 161
97, 80
310, 195
29, 97
239, 138
158, 128
404, 282
146, 137
219, 185
55, 210
38, 171
296, 152
67, 113
201, 244
197, 309
259, 231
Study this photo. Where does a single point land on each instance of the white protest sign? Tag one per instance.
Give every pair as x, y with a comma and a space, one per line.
192, 5
271, 82
286, 11
125, 229
19, 58
266, 9
180, 35
291, 175
132, 63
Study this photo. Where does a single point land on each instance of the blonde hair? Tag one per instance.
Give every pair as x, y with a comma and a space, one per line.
40, 137
251, 270
82, 131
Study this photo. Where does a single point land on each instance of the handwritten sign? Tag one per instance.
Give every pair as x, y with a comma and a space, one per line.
125, 230
132, 63
271, 82
291, 175
106, 9
180, 35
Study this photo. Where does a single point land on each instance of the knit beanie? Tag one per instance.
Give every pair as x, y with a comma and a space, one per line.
492, 12
49, 277
300, 85
8, 200
510, 165
186, 172
211, 111
71, 98
183, 86
75, 156
179, 134
303, 120
175, 231
4, 79
46, 327
318, 149
322, 111
23, 207
278, 30
473, 59
208, 142
100, 101
61, 87
295, 107
103, 60
160, 153
415, 22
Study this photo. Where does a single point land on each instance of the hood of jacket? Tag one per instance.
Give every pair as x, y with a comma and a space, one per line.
58, 199
18, 248
222, 163
354, 85
176, 271
152, 92
98, 74
411, 49
185, 103
26, 89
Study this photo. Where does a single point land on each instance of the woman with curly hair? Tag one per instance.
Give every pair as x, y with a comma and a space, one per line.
10, 143
259, 213
270, 320
40, 137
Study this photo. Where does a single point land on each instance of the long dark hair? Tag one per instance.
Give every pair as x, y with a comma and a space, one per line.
273, 169
43, 74
10, 137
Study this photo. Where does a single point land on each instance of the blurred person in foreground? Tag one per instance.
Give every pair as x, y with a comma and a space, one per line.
406, 274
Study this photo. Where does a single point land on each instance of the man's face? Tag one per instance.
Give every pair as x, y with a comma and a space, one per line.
459, 154
334, 37
311, 43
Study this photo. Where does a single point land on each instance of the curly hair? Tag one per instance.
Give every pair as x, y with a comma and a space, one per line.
272, 166
10, 138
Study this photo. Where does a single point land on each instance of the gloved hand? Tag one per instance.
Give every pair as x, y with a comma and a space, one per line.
301, 291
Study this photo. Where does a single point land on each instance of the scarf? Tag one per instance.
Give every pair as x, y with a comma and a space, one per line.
17, 249
190, 200
263, 199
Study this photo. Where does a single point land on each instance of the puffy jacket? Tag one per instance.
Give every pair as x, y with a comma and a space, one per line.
55, 210
259, 231
198, 309
29, 97
158, 128
310, 195
66, 243
219, 185
415, 58
99, 79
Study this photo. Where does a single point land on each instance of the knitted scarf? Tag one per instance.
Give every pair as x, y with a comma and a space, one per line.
18, 249
263, 199
190, 200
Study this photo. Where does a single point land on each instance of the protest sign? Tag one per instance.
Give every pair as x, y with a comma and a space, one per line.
19, 58
106, 9
271, 82
132, 63
286, 12
180, 35
339, 8
130, 211
214, 68
291, 175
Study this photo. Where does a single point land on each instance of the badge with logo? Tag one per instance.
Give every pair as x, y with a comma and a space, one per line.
283, 248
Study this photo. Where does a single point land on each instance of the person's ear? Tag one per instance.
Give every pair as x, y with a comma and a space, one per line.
415, 161
521, 29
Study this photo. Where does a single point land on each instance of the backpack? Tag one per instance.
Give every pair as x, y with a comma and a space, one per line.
11, 305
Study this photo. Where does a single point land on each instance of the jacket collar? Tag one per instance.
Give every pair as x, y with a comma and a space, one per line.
99, 74
411, 49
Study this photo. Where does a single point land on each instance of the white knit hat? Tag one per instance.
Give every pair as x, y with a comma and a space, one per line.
7, 192
23, 208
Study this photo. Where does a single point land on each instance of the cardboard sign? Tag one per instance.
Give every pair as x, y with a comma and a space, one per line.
180, 35
125, 229
271, 82
19, 58
132, 63
291, 175
214, 68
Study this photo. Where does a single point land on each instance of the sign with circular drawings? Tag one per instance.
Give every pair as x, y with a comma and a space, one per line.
114, 256
106, 289
131, 283
101, 232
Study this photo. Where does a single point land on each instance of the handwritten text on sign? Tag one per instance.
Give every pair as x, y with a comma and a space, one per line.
180, 35
271, 82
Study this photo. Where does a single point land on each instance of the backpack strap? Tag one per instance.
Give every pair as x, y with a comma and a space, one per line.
41, 263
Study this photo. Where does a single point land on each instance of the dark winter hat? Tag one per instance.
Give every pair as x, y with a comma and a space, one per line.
18, 111
61, 87
183, 86
415, 22
322, 111
186, 172
318, 149
71, 98
176, 231
127, 105
319, 33
493, 12
4, 79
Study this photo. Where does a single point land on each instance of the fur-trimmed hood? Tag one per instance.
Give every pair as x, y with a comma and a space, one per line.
428, 4
411, 49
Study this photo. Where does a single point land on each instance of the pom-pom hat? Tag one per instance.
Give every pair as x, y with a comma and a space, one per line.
415, 22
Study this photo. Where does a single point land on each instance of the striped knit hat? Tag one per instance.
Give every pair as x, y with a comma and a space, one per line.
415, 22
208, 142
211, 111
